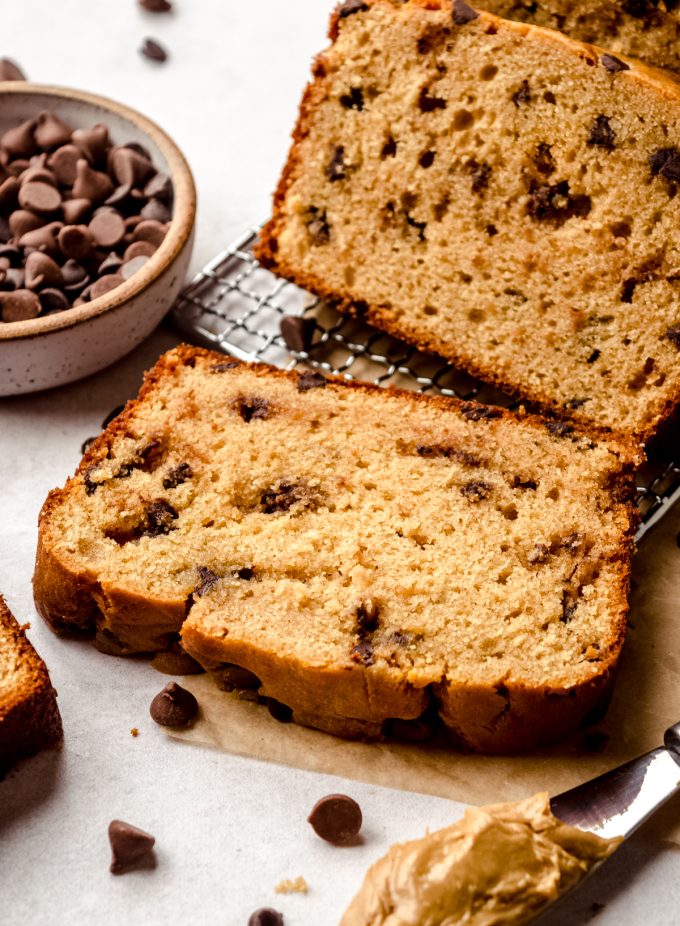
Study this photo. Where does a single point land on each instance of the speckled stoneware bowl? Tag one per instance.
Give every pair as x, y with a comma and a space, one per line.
44, 352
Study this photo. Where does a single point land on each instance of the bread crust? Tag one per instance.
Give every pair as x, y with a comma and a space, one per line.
267, 251
350, 701
29, 715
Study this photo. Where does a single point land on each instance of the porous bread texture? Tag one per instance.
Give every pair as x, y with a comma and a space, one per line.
366, 553
645, 29
29, 716
498, 194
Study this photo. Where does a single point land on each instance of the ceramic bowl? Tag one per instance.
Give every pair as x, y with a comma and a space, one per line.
44, 352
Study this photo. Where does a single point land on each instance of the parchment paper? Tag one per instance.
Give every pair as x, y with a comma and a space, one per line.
646, 701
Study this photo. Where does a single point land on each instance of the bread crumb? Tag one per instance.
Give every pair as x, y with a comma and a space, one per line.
26, 626
292, 886
134, 731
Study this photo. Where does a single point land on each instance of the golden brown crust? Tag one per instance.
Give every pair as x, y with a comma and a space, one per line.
29, 716
266, 249
348, 700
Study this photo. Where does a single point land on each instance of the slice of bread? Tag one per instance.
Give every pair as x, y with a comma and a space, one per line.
498, 194
645, 29
365, 553
29, 716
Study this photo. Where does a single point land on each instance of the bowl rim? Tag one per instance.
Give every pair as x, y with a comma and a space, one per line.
179, 232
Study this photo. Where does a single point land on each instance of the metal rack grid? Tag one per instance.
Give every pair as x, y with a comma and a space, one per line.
235, 306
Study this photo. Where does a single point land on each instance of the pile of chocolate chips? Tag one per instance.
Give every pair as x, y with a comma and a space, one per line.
78, 215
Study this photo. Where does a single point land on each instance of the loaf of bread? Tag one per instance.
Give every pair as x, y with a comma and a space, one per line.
498, 194
29, 716
361, 555
645, 29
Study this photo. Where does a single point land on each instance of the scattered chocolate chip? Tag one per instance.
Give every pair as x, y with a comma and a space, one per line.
349, 7
10, 70
389, 149
19, 305
462, 13
279, 711
53, 300
428, 104
602, 135
311, 380
159, 517
336, 818
297, 331
156, 6
666, 162
174, 706
153, 50
613, 64
265, 916
178, 475
522, 96
363, 653
426, 159
131, 847
207, 579
353, 100
476, 491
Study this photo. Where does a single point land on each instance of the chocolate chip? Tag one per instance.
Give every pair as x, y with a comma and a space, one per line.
207, 579
178, 475
673, 335
613, 64
64, 164
544, 160
282, 497
555, 203
20, 140
337, 169
666, 162
53, 300
389, 149
112, 263
279, 711
363, 653
155, 210
10, 70
311, 380
265, 916
353, 100
250, 407
349, 7
237, 678
41, 271
129, 167
93, 143
9, 191
336, 818
462, 13
51, 131
426, 159
156, 6
594, 356
428, 104
318, 226
475, 412
153, 50
559, 428
223, 367
159, 518
601, 134
151, 231
297, 331
75, 277
19, 305
367, 617
174, 706
522, 96
105, 284
131, 847
91, 184
246, 573
476, 491
480, 175
160, 188
44, 239
107, 229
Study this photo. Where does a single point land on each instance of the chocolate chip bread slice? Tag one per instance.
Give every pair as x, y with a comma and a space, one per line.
645, 29
498, 194
29, 716
364, 554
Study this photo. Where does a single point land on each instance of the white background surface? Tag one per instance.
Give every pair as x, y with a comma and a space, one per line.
227, 829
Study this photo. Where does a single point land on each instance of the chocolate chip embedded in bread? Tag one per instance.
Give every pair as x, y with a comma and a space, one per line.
297, 332
555, 203
462, 13
337, 168
666, 163
428, 103
601, 134
522, 96
559, 428
174, 706
282, 497
236, 678
265, 916
336, 818
131, 847
476, 491
363, 653
613, 64
223, 367
311, 380
349, 7
673, 335
159, 518
353, 100
318, 226
178, 475
475, 412
207, 579
252, 407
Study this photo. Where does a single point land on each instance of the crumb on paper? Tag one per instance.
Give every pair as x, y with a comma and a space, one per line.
292, 886
134, 731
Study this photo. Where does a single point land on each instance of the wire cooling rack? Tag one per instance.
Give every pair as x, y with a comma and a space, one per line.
235, 306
